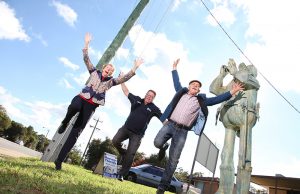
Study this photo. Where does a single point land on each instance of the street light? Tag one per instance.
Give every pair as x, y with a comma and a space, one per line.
87, 145
47, 131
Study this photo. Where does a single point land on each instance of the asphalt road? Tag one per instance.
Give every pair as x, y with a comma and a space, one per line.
8, 148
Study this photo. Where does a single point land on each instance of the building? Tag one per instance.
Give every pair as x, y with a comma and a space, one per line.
274, 184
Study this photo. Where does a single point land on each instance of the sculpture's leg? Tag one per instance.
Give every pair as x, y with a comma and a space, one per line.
227, 167
244, 165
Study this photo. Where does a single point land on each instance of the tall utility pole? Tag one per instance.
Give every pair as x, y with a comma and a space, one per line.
58, 140
87, 145
123, 32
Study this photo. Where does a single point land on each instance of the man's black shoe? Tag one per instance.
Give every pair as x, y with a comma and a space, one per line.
162, 152
120, 177
57, 165
62, 128
160, 191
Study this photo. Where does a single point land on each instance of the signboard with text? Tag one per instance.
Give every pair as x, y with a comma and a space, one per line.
107, 166
110, 165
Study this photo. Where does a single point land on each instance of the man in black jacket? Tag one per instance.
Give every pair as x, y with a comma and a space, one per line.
142, 110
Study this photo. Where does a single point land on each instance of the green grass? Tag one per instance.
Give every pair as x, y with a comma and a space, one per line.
32, 176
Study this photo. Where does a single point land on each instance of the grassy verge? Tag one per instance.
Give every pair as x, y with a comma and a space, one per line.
32, 176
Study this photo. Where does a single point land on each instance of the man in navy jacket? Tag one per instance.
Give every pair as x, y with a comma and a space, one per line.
187, 109
141, 112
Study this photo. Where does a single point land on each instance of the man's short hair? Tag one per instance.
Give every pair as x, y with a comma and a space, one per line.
152, 92
196, 81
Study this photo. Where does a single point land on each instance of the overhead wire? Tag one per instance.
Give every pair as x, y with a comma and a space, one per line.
139, 31
133, 7
249, 59
155, 29
157, 26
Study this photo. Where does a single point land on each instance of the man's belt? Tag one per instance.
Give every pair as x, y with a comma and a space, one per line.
180, 126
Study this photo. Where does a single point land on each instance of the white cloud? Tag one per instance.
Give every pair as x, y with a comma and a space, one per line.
155, 47
276, 46
9, 101
68, 63
288, 169
36, 114
176, 4
66, 84
122, 53
2, 90
96, 54
10, 26
42, 113
82, 78
40, 38
117, 101
68, 14
222, 14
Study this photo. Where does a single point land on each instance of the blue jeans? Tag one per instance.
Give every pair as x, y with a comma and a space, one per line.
178, 135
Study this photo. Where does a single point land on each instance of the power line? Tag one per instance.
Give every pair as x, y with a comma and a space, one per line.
139, 31
249, 59
156, 28
134, 6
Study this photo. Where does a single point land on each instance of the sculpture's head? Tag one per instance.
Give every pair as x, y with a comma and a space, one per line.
247, 75
252, 70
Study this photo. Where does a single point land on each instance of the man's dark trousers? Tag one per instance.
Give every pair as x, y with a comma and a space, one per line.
133, 145
85, 110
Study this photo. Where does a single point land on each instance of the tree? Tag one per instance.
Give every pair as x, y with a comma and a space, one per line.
182, 175
96, 151
198, 174
5, 121
92, 153
74, 156
30, 137
153, 159
15, 132
42, 143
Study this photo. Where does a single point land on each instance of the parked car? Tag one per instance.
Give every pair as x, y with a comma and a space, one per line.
150, 175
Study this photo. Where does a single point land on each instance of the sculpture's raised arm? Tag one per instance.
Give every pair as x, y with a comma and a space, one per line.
216, 87
231, 67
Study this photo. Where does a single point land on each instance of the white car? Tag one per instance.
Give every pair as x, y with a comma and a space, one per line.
150, 175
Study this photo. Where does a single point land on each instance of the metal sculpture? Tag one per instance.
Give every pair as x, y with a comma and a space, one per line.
238, 115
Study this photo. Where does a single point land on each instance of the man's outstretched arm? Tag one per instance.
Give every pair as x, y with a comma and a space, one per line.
175, 76
125, 89
86, 59
125, 77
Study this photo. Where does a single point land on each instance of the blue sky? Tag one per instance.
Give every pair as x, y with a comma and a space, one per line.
42, 67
